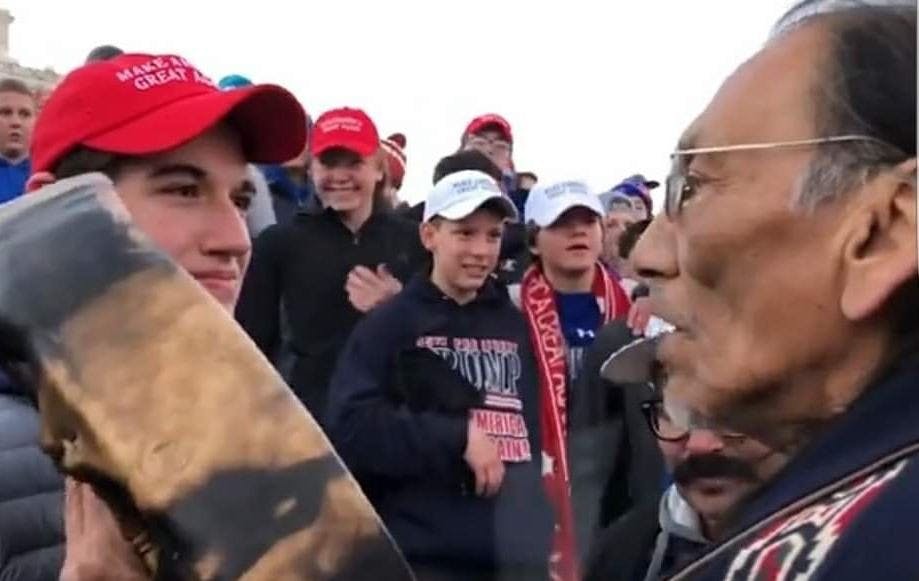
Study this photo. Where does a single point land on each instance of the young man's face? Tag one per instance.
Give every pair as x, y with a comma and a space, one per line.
344, 180
17, 117
492, 143
465, 251
192, 202
572, 244
616, 221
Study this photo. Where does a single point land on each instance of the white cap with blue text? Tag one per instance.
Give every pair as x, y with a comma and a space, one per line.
459, 194
546, 203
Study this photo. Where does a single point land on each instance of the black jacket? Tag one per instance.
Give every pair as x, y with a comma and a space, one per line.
614, 460
648, 543
411, 463
299, 269
623, 551
31, 495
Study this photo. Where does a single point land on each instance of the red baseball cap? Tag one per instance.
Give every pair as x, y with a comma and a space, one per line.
140, 104
346, 128
490, 120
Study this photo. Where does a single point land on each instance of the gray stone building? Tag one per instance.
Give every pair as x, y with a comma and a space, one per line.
42, 80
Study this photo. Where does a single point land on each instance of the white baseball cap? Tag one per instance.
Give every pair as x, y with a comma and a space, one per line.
546, 203
459, 194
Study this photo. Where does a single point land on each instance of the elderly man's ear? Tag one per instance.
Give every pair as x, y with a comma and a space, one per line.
880, 252
39, 180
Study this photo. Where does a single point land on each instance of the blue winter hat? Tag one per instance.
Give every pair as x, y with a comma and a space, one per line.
234, 82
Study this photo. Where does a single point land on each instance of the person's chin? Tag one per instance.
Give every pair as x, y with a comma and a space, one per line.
713, 496
343, 205
579, 264
224, 292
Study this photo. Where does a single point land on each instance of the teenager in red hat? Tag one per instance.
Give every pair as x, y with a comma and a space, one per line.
333, 262
176, 149
491, 134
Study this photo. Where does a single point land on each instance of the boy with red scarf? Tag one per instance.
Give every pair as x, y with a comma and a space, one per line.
566, 297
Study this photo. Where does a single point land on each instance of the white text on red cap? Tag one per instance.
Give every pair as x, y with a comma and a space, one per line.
161, 71
341, 123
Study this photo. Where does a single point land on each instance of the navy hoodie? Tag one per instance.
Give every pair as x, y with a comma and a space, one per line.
411, 463
845, 509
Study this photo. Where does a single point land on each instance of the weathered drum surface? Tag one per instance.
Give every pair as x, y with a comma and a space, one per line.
149, 390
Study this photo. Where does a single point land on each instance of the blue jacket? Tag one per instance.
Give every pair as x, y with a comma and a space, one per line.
13, 178
411, 463
31, 495
287, 196
845, 509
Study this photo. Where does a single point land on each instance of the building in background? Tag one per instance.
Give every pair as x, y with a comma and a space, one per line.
42, 80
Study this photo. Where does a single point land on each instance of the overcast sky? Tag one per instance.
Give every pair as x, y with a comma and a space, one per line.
594, 90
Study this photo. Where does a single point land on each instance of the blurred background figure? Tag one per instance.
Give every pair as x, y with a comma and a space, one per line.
396, 160
17, 117
103, 53
620, 213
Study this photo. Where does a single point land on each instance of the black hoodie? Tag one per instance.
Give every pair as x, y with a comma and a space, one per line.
411, 463
296, 284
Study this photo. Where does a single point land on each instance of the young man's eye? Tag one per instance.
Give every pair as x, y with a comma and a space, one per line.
182, 190
243, 201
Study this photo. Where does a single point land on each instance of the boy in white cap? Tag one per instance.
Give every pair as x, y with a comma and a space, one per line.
566, 296
433, 403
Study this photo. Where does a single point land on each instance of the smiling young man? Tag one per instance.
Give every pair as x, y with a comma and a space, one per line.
457, 486
318, 274
786, 258
176, 150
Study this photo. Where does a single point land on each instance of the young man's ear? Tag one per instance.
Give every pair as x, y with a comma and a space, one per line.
39, 180
426, 231
532, 235
380, 162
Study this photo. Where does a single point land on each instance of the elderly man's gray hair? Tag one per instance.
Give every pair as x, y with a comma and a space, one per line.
866, 86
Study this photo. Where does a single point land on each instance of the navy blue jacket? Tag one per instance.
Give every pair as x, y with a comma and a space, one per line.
411, 463
845, 509
31, 495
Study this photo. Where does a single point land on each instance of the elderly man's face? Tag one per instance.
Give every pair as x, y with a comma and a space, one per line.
754, 286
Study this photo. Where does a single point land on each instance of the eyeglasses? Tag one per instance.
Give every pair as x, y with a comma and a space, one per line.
668, 431
679, 187
485, 144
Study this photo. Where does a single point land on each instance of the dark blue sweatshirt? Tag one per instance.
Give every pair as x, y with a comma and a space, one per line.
411, 463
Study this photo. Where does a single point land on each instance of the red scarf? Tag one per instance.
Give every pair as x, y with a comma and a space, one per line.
538, 302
